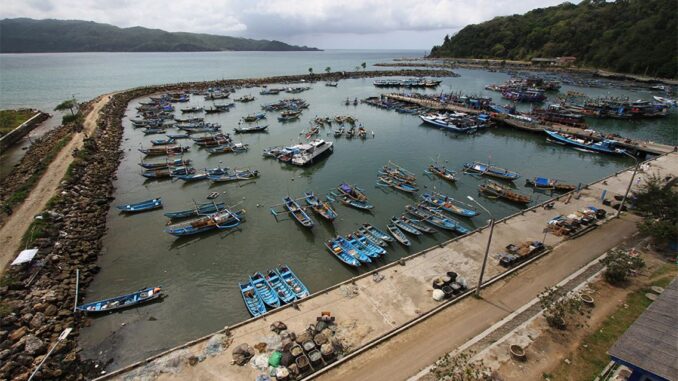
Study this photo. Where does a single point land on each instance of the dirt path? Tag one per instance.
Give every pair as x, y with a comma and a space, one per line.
13, 230
407, 353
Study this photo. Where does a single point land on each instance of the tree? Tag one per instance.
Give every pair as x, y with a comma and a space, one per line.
558, 307
69, 104
620, 265
310, 70
328, 70
460, 368
364, 65
657, 203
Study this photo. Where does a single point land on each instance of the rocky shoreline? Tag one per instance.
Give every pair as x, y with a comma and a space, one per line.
36, 300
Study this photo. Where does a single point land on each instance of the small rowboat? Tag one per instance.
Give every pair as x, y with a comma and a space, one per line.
322, 208
223, 219
352, 192
352, 250
285, 294
340, 254
293, 282
407, 228
252, 300
417, 224
493, 189
442, 172
377, 233
546, 183
491, 170
297, 212
144, 295
264, 290
245, 130
398, 234
448, 204
206, 208
143, 206
397, 184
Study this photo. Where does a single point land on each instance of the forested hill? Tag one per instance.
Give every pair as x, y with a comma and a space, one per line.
630, 36
23, 35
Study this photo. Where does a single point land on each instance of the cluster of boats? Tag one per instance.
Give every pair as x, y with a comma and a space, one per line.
535, 83
613, 107
289, 90
408, 83
272, 289
457, 121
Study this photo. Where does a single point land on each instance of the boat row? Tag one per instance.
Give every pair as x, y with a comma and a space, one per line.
272, 289
409, 83
457, 121
363, 246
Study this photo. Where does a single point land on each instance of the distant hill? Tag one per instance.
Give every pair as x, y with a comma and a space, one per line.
630, 36
24, 35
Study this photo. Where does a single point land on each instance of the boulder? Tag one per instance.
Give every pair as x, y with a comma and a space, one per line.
18, 333
37, 321
34, 346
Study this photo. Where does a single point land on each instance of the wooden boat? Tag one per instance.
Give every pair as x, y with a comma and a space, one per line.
188, 110
223, 219
206, 208
362, 232
404, 226
193, 177
163, 142
352, 250
490, 170
500, 191
546, 183
322, 208
377, 233
215, 110
285, 294
398, 234
144, 295
245, 99
417, 224
363, 205
143, 206
154, 131
264, 290
166, 164
167, 172
289, 115
442, 172
292, 281
254, 117
397, 184
246, 130
372, 251
448, 204
399, 173
340, 254
161, 151
297, 212
605, 146
352, 192
435, 218
376, 248
252, 300
229, 147
235, 175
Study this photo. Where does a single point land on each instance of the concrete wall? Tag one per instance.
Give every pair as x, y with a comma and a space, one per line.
21, 131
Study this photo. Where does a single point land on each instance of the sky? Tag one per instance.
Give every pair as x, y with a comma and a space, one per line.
326, 24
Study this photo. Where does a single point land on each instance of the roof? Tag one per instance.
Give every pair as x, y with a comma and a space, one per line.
651, 342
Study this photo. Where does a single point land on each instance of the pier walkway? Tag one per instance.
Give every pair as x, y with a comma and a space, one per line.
371, 311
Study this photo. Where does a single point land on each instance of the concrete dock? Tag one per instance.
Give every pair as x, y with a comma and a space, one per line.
367, 311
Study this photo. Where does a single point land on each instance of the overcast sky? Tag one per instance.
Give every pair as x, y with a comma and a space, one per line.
328, 24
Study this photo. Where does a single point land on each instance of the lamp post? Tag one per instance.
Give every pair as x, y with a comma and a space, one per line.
628, 189
487, 249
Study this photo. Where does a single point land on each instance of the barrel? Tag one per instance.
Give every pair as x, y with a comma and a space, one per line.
302, 363
296, 350
308, 346
316, 358
327, 350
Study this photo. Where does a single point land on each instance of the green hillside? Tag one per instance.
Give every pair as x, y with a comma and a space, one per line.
630, 36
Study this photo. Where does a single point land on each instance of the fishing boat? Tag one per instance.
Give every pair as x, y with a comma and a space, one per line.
493, 189
252, 300
352, 192
285, 294
264, 290
362, 232
399, 173
228, 148
340, 254
398, 234
322, 208
370, 244
160, 151
491, 170
331, 84
604, 146
449, 204
202, 209
254, 117
371, 250
154, 131
404, 226
287, 116
442, 172
142, 296
192, 177
273, 151
363, 205
435, 218
223, 219
188, 110
297, 212
292, 281
143, 206
396, 184
246, 130
167, 172
352, 250
245, 99
163, 142
546, 183
417, 224
373, 231
215, 110
178, 136
310, 152
456, 122
234, 175
166, 164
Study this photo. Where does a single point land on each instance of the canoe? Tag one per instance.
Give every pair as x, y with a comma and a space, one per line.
341, 254
166, 164
352, 192
245, 130
223, 219
297, 212
398, 184
491, 170
361, 232
442, 172
322, 208
285, 294
358, 245
436, 219
417, 224
252, 300
144, 295
206, 208
369, 245
398, 234
356, 204
546, 183
377, 233
448, 204
352, 250
163, 142
143, 206
500, 191
264, 290
407, 228
604, 146
293, 282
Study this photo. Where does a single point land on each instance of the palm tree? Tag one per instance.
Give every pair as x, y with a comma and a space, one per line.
328, 70
364, 65
310, 70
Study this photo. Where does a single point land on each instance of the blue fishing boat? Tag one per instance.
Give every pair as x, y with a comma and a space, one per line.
193, 177
206, 208
223, 219
297, 212
154, 131
404, 226
397, 184
363, 205
373, 231
362, 233
605, 146
178, 136
491, 170
231, 175
246, 130
335, 248
352, 192
352, 250
121, 302
264, 290
364, 249
552, 184
167, 172
163, 142
166, 164
417, 224
322, 208
252, 300
292, 281
143, 206
449, 204
254, 117
285, 294
436, 218
398, 234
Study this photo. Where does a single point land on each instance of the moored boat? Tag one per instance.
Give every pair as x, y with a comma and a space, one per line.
206, 208
144, 295
398, 234
285, 294
297, 212
253, 302
223, 219
449, 204
491, 170
442, 172
546, 183
293, 282
142, 206
336, 250
604, 146
500, 191
322, 208
352, 192
246, 130
264, 290
404, 226
377, 233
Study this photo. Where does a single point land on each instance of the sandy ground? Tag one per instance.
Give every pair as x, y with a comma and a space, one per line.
17, 224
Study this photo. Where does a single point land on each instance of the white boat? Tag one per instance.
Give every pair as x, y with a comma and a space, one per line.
666, 101
311, 151
457, 121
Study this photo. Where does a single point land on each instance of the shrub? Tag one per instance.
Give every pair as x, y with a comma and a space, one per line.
619, 266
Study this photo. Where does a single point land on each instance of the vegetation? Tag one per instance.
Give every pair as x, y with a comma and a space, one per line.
558, 307
460, 368
24, 35
620, 265
11, 119
658, 203
328, 70
630, 36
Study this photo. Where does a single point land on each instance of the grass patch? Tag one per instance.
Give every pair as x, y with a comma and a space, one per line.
11, 119
591, 358
37, 229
